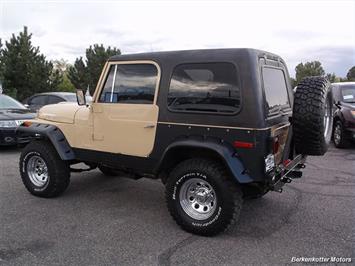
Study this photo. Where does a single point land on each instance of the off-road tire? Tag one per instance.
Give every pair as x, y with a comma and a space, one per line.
229, 196
343, 142
107, 171
58, 170
312, 101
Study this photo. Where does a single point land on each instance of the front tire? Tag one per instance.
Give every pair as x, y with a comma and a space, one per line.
202, 198
339, 136
43, 172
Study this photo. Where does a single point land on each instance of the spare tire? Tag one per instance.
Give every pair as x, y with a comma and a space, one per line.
312, 116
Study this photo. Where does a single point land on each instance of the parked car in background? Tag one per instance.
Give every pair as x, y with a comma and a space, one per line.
344, 117
38, 100
12, 114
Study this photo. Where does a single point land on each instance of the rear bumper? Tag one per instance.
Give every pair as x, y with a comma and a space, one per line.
8, 137
285, 174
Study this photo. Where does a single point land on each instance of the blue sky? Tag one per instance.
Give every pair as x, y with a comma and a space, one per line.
299, 31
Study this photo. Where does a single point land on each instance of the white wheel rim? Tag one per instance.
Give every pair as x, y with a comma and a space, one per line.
198, 199
37, 171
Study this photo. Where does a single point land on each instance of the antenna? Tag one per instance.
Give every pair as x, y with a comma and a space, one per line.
88, 91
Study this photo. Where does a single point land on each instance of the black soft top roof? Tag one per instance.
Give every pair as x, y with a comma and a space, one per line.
201, 54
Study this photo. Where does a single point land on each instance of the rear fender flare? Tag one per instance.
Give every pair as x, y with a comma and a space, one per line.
227, 155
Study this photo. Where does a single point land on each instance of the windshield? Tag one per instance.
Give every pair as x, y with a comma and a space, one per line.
348, 93
7, 102
72, 98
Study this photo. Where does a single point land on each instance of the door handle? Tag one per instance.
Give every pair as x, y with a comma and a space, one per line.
150, 126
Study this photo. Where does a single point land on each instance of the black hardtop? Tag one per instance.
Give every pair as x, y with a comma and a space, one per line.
196, 55
246, 60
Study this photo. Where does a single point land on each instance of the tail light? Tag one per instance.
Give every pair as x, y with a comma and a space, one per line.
275, 145
286, 162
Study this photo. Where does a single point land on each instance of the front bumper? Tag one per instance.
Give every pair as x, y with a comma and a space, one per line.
350, 133
8, 137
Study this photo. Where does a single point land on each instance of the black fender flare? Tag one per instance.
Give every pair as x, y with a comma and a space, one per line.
226, 153
51, 133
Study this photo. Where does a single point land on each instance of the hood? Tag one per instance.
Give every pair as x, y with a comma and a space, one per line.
62, 113
16, 114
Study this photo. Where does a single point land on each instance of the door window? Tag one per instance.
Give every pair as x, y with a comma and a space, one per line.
130, 83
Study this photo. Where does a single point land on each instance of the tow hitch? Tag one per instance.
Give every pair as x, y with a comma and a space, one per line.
288, 173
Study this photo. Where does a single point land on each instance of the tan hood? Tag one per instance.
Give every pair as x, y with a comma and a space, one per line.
61, 112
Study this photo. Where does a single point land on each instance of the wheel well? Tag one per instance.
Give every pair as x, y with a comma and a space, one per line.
179, 154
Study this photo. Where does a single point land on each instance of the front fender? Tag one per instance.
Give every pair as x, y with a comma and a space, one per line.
226, 153
51, 133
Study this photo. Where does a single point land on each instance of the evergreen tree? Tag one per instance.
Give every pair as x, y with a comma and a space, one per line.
84, 74
351, 74
1, 64
25, 70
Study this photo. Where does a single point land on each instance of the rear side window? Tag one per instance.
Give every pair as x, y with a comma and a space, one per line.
275, 89
130, 83
207, 87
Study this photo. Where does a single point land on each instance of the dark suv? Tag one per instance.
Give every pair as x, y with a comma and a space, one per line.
216, 126
344, 116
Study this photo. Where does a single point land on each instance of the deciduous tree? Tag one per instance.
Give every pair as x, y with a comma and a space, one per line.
313, 68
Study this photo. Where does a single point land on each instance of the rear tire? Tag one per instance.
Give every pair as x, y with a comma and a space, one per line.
312, 116
202, 198
43, 172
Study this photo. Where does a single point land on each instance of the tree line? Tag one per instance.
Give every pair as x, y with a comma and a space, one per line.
25, 71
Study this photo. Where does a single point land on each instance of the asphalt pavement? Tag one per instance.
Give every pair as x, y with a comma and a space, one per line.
119, 221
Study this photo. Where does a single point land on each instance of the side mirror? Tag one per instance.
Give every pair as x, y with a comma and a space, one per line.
26, 105
80, 97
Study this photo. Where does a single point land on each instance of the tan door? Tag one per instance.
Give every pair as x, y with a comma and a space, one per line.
125, 111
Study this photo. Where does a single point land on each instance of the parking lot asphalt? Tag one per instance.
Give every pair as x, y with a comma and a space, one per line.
119, 221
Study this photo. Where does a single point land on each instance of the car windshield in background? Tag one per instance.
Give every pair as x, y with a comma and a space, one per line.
72, 98
348, 93
7, 102
208, 87
275, 89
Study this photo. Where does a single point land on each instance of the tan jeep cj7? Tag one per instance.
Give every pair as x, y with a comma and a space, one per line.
216, 126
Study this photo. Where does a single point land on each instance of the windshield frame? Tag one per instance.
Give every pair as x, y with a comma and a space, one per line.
15, 104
